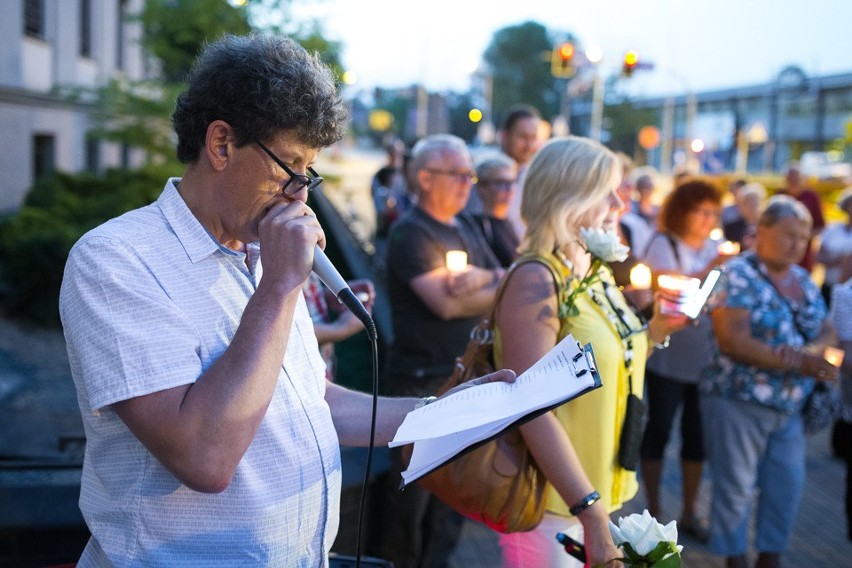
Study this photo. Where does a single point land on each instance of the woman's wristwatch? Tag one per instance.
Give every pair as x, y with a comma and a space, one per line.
585, 503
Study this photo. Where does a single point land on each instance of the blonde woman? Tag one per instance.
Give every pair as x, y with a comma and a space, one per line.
571, 184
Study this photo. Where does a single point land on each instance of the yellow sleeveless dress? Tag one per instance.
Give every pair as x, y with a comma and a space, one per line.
593, 421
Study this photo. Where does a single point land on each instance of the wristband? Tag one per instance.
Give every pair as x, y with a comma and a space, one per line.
585, 503
664, 344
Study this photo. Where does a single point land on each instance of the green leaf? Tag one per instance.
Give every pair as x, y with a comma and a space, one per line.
661, 550
672, 561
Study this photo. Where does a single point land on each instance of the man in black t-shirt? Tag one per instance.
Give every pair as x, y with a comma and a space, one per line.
433, 310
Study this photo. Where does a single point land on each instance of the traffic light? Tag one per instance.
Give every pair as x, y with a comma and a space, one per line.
562, 61
631, 60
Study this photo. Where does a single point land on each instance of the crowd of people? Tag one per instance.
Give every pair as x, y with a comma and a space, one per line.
574, 183
200, 343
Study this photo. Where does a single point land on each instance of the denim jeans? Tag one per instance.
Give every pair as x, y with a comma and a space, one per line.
749, 448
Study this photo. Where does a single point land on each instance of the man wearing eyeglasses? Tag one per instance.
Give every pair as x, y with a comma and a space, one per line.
434, 307
212, 434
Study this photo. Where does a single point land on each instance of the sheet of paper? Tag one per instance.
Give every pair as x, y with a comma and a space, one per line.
447, 427
550, 379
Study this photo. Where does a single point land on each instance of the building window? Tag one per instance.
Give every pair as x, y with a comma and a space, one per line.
119, 34
86, 28
125, 156
43, 156
34, 18
93, 155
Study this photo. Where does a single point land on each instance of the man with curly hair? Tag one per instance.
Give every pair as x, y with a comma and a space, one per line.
212, 434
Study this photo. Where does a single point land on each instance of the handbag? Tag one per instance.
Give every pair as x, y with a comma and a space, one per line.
498, 483
632, 431
821, 409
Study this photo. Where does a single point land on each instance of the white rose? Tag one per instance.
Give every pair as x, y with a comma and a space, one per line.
604, 245
642, 532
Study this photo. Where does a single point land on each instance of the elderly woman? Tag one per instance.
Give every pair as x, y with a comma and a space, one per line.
770, 323
497, 176
750, 198
682, 246
836, 245
571, 184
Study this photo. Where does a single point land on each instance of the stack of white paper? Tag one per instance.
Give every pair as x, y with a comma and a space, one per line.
443, 429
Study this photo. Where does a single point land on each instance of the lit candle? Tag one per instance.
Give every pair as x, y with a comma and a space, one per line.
833, 355
728, 248
676, 292
640, 277
717, 234
456, 260
678, 284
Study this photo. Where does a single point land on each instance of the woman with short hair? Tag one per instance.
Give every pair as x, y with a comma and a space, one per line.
770, 323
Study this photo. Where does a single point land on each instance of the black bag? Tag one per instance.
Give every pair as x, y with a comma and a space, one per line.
822, 408
632, 431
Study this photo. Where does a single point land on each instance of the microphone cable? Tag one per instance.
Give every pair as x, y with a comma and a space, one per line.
371, 331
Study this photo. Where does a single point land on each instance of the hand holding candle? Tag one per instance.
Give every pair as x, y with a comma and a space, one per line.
676, 291
833, 355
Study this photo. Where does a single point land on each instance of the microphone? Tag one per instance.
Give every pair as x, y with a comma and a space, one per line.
334, 281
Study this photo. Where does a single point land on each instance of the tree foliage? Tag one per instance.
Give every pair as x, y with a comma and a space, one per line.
624, 121
519, 61
34, 244
174, 31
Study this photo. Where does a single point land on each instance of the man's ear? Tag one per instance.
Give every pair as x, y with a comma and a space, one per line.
217, 144
423, 180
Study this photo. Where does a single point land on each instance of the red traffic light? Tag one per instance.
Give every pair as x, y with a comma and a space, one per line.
566, 51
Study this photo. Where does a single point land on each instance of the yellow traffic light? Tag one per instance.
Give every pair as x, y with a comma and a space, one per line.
631, 59
562, 61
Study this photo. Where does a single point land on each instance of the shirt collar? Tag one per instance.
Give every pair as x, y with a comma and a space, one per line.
195, 239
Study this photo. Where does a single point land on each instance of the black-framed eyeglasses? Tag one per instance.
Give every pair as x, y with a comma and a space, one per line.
460, 177
297, 181
498, 184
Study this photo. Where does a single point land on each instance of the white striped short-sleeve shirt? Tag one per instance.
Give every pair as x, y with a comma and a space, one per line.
149, 301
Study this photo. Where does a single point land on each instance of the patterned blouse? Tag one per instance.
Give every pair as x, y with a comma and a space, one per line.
773, 321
